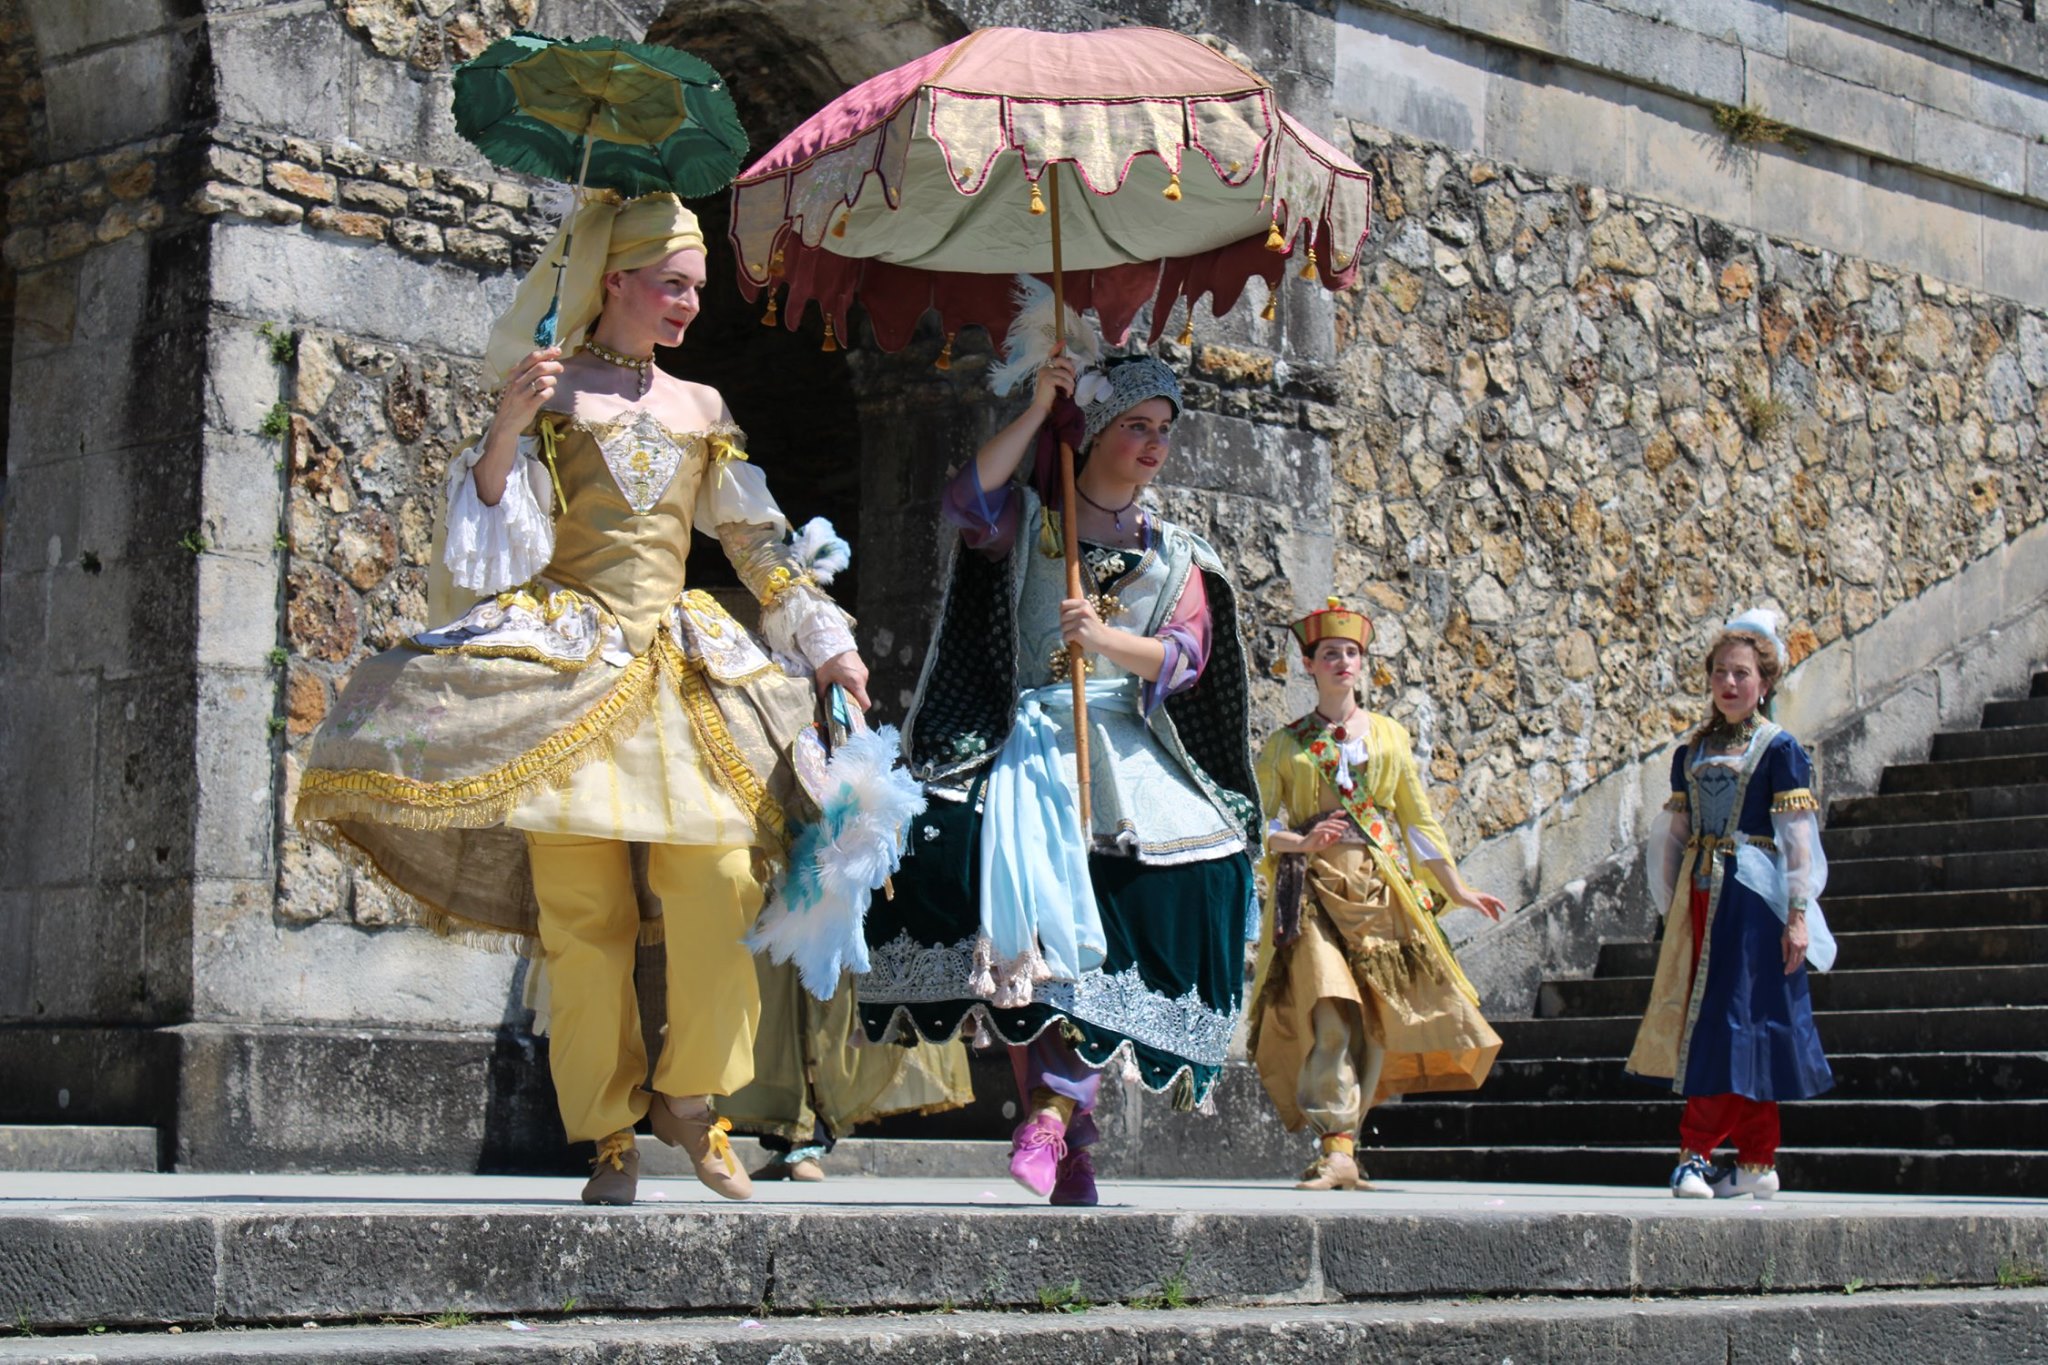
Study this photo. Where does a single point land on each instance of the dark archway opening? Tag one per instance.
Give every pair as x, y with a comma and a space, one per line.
862, 438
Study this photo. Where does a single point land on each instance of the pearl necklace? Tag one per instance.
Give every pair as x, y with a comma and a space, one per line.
642, 365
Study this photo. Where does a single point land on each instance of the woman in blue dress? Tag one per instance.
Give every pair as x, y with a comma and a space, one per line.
1126, 945
1738, 862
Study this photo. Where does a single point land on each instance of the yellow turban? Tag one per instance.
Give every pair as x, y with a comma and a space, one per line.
608, 236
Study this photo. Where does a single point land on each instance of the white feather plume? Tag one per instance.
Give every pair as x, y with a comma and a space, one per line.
1029, 343
817, 916
820, 550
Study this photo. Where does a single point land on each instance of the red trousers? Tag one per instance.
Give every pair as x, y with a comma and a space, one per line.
1711, 1120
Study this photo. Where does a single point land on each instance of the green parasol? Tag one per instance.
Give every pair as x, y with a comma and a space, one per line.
630, 117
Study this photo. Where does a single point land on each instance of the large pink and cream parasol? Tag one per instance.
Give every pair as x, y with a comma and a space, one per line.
927, 187
930, 186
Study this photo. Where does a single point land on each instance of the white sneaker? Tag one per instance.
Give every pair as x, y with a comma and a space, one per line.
1732, 1182
1690, 1179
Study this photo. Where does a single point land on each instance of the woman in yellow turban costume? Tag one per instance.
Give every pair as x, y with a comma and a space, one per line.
592, 756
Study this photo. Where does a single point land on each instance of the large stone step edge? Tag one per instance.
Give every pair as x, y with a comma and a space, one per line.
2007, 946
1985, 1028
1863, 1324
1992, 1173
1858, 1075
75, 1266
61, 1147
1915, 808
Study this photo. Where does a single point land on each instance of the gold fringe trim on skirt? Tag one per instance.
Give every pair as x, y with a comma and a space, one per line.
715, 742
489, 797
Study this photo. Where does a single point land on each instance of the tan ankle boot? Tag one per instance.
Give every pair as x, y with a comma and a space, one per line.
702, 1138
615, 1172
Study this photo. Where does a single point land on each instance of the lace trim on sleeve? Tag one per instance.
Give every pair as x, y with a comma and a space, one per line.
1799, 798
492, 548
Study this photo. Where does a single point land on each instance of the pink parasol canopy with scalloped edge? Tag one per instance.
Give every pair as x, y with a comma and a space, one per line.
920, 189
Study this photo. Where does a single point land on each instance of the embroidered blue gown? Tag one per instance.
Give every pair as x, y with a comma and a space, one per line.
1743, 836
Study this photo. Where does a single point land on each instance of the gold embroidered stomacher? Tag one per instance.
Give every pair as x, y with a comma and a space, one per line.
1799, 798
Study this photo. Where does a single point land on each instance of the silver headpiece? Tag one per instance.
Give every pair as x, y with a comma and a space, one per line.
1131, 382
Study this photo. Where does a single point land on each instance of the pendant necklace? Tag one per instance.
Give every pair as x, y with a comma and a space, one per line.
643, 366
1116, 513
1336, 727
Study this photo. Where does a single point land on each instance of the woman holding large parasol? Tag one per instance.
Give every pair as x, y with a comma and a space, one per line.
1084, 889
593, 756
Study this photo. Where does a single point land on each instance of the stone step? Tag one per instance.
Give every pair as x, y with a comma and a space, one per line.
2040, 687
2027, 833
1909, 1323
1917, 1124
60, 1147
1867, 1075
1917, 988
2021, 770
1870, 1171
2024, 711
854, 1158
1983, 1029
1915, 808
1938, 872
1939, 909
2006, 946
252, 1250
2001, 741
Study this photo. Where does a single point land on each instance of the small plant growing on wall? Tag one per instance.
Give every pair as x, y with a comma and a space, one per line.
1747, 125
1762, 413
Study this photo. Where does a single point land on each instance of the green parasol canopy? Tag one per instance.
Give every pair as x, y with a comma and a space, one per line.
631, 117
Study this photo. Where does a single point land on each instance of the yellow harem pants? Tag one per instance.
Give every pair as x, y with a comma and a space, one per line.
589, 931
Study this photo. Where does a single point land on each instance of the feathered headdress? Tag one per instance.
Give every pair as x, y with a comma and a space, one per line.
1030, 341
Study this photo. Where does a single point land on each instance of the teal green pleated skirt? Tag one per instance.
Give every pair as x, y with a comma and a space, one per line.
1169, 993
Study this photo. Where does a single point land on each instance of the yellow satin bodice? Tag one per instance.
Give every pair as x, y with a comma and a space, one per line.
627, 498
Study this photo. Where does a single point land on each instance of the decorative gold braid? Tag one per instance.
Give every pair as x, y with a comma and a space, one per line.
547, 453
780, 583
1799, 798
524, 653
487, 798
1677, 802
715, 743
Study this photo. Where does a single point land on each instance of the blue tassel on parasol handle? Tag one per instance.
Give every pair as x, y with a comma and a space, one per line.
544, 330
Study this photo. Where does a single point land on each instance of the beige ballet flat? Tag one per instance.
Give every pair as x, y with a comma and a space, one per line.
702, 1139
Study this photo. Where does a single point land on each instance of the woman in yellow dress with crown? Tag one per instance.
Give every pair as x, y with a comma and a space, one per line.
1359, 996
593, 756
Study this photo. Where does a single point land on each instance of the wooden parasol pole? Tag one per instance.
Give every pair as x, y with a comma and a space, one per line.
1076, 669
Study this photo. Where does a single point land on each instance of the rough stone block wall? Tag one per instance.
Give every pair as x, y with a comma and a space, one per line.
1585, 428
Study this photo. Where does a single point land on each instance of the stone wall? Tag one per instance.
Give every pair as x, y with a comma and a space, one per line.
1913, 132
1587, 427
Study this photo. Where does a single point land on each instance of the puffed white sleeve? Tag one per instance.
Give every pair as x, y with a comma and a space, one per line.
493, 548
1805, 864
797, 619
1668, 834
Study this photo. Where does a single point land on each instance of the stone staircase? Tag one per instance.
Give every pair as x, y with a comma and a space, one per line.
1936, 1019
